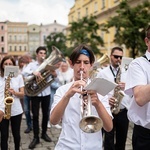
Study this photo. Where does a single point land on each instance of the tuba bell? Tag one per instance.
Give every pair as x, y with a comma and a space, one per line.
32, 87
102, 61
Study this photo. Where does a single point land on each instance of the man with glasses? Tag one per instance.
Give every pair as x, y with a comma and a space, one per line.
138, 85
116, 138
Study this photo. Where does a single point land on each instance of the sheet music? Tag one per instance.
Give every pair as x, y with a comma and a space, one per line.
125, 62
101, 85
11, 69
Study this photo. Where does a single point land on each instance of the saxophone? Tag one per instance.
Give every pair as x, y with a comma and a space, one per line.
8, 101
118, 94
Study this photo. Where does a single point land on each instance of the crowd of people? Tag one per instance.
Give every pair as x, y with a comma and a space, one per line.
65, 102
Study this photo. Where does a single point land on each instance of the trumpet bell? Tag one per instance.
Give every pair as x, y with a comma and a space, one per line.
91, 124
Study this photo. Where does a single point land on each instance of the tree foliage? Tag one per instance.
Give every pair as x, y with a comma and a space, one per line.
130, 24
85, 30
57, 39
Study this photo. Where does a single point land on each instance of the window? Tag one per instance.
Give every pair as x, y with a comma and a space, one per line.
95, 7
86, 11
10, 48
2, 27
15, 48
2, 39
78, 15
2, 49
25, 48
20, 48
103, 4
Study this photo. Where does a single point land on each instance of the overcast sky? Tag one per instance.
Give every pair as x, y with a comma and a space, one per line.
35, 11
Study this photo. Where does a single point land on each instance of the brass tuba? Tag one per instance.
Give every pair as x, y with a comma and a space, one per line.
32, 87
8, 101
99, 64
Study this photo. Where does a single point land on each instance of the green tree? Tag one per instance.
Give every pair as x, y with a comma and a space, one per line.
57, 39
130, 24
85, 30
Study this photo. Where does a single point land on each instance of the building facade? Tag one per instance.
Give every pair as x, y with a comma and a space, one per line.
103, 10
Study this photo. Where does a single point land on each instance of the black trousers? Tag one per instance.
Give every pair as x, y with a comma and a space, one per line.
15, 127
120, 130
141, 138
35, 102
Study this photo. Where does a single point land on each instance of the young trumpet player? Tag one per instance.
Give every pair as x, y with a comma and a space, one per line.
68, 101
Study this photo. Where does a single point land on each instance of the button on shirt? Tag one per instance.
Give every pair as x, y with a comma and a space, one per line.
138, 74
29, 69
106, 73
72, 137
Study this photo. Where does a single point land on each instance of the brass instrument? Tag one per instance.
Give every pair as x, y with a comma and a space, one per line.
89, 123
99, 64
8, 101
118, 94
32, 87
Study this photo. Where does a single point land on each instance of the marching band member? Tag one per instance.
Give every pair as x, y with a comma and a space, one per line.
17, 91
67, 106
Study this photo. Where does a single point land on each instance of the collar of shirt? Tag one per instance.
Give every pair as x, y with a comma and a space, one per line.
148, 55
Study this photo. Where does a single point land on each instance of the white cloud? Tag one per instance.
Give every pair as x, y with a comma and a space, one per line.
35, 11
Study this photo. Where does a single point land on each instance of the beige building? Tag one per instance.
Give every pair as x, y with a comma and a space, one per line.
33, 38
46, 30
103, 9
17, 38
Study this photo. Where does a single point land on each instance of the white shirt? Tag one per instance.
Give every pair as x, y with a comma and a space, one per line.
65, 77
138, 74
29, 69
106, 73
15, 83
72, 137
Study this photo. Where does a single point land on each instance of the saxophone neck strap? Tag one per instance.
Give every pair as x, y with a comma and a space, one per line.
146, 57
114, 73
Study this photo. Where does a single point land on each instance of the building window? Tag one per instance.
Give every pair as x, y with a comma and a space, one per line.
95, 7
55, 29
15, 38
86, 11
10, 38
20, 48
15, 48
25, 48
10, 48
72, 18
2, 49
78, 15
2, 39
103, 4
2, 27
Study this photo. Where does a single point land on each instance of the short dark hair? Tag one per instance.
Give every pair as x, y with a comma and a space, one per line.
41, 48
76, 53
147, 32
116, 48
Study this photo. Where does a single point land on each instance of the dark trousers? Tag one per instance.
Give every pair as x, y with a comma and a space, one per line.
141, 138
120, 129
35, 102
15, 127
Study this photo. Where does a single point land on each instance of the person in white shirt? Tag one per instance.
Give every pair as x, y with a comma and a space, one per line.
17, 91
68, 101
138, 86
120, 120
42, 98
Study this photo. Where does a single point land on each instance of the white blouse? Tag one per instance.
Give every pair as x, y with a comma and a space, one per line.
15, 83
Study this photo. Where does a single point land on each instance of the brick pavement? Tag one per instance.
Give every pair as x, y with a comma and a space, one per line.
54, 134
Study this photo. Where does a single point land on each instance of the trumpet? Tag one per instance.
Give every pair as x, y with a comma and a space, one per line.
89, 123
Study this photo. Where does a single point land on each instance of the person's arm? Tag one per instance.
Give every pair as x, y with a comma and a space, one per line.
142, 94
101, 110
59, 109
1, 115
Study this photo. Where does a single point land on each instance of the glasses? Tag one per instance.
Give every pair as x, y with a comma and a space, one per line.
116, 56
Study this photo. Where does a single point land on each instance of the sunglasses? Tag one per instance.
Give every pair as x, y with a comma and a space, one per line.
116, 56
